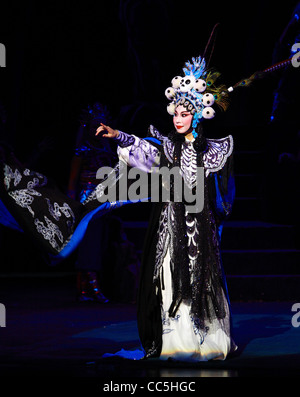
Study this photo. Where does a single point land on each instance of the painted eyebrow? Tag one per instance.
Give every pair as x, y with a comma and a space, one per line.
184, 111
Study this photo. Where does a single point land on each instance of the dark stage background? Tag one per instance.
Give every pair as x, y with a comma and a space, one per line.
63, 56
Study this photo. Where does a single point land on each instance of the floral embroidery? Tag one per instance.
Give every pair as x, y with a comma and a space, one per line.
49, 232
56, 211
9, 175
28, 182
167, 321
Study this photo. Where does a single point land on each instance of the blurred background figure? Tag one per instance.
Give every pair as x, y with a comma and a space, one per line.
106, 260
91, 153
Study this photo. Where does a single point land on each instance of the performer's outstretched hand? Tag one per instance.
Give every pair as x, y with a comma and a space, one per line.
110, 133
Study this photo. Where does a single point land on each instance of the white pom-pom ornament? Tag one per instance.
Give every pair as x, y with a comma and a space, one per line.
208, 99
170, 93
171, 108
208, 113
200, 85
176, 81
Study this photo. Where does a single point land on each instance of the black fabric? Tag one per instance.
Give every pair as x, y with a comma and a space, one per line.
179, 259
46, 198
148, 301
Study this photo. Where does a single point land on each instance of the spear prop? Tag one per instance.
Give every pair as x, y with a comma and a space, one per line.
260, 74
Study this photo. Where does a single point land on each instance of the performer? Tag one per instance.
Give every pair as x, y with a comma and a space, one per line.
183, 305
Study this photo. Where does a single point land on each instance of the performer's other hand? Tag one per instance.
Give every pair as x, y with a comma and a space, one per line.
110, 133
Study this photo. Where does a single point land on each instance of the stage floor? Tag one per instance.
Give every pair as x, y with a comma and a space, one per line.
49, 334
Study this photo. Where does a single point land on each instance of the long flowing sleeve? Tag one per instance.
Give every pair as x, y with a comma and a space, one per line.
137, 152
32, 203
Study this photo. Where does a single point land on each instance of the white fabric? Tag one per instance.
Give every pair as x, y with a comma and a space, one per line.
180, 340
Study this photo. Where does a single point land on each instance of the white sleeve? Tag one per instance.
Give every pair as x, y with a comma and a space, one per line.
137, 152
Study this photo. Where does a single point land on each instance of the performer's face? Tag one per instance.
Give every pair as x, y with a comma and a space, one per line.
182, 120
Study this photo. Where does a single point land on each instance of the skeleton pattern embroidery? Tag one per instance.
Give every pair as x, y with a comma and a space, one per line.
214, 158
189, 165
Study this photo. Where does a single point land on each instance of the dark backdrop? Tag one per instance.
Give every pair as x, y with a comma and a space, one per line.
62, 56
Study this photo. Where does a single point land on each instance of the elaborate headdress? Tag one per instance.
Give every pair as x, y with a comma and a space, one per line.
196, 91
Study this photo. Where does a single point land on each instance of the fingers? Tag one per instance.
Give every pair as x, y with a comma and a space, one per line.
101, 128
110, 132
